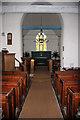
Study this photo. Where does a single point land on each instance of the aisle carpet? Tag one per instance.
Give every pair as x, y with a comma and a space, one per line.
41, 100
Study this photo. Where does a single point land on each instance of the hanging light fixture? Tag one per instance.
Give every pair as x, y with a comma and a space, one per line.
41, 37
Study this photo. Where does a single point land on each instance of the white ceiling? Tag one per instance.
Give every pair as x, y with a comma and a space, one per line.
41, 3
39, 0
39, 6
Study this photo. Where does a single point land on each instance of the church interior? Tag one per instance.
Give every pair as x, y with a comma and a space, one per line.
39, 60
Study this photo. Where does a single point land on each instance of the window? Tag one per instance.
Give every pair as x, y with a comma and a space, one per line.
41, 42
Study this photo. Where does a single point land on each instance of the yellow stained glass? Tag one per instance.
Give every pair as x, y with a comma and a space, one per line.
45, 46
41, 44
41, 47
37, 46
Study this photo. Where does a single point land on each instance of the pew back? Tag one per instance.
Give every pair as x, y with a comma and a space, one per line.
8, 104
10, 85
64, 85
24, 74
73, 95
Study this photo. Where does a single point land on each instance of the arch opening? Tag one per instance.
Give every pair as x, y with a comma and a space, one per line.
55, 36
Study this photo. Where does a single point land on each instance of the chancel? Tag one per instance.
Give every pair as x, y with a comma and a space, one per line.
39, 60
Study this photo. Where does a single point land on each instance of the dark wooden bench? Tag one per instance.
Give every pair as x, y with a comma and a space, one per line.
74, 73
66, 74
13, 80
26, 63
57, 82
19, 73
9, 85
66, 77
73, 102
16, 76
7, 99
63, 94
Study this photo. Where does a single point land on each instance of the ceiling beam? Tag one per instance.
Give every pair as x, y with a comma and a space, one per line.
40, 1
41, 27
39, 9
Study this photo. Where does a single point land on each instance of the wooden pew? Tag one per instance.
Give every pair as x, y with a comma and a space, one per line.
16, 85
57, 82
66, 77
26, 63
64, 85
73, 102
74, 73
16, 76
67, 74
13, 80
7, 99
19, 73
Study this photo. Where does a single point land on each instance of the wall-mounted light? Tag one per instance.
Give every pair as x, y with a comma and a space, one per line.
3, 34
63, 48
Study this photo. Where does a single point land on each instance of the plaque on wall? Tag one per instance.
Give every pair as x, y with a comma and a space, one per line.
9, 39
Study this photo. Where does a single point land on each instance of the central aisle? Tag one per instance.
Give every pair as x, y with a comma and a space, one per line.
41, 101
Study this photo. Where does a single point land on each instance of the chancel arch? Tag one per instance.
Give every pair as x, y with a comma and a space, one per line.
53, 42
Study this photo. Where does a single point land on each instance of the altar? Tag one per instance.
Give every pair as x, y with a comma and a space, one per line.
41, 57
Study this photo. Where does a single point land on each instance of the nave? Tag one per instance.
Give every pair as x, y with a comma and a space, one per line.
39, 33
43, 92
41, 101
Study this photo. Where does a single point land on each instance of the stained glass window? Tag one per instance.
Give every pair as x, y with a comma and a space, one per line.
41, 42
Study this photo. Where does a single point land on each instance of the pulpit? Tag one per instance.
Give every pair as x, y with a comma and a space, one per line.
8, 62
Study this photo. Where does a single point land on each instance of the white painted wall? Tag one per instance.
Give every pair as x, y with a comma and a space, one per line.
79, 38
29, 44
53, 43
0, 30
70, 40
0, 46
12, 23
